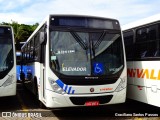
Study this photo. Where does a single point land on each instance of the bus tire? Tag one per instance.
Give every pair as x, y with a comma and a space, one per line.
36, 88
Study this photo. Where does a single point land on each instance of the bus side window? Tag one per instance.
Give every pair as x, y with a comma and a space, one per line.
128, 40
141, 35
140, 43
152, 32
22, 56
157, 53
31, 49
146, 42
36, 48
26, 53
152, 45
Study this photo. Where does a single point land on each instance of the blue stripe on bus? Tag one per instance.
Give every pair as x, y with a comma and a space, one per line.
73, 91
66, 88
69, 90
60, 83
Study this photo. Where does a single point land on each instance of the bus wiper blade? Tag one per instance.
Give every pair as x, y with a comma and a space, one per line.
79, 40
99, 40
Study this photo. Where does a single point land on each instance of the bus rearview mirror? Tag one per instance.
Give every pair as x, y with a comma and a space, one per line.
43, 38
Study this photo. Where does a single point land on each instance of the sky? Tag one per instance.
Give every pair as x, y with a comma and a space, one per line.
33, 11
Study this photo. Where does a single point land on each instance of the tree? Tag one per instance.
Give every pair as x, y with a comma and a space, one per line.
21, 31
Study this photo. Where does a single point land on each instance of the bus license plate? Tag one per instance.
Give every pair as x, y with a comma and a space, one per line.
92, 103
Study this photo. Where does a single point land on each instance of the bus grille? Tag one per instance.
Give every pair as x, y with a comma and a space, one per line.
83, 100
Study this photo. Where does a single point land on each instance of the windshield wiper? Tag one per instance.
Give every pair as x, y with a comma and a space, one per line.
99, 40
79, 40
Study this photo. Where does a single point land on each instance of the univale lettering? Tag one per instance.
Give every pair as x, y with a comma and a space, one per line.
144, 73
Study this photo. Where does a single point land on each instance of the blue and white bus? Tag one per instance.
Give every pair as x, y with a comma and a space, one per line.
76, 61
7, 62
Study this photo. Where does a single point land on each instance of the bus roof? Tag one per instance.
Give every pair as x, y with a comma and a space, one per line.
46, 20
88, 16
141, 22
5, 25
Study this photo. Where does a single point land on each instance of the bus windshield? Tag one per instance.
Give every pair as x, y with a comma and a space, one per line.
6, 52
86, 53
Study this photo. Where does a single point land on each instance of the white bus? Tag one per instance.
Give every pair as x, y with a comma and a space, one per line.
74, 60
7, 62
142, 43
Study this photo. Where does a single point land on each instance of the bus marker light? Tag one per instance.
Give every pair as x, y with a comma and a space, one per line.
140, 87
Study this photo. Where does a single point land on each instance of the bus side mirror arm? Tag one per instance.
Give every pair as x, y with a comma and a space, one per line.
43, 38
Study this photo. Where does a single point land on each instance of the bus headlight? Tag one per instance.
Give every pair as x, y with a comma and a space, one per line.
121, 85
55, 86
8, 81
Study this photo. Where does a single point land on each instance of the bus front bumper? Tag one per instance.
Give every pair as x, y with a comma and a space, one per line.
54, 100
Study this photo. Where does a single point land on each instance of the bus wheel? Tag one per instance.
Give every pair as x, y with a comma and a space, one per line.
36, 88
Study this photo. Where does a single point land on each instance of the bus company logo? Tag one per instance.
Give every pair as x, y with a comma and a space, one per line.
91, 89
144, 73
81, 69
106, 89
